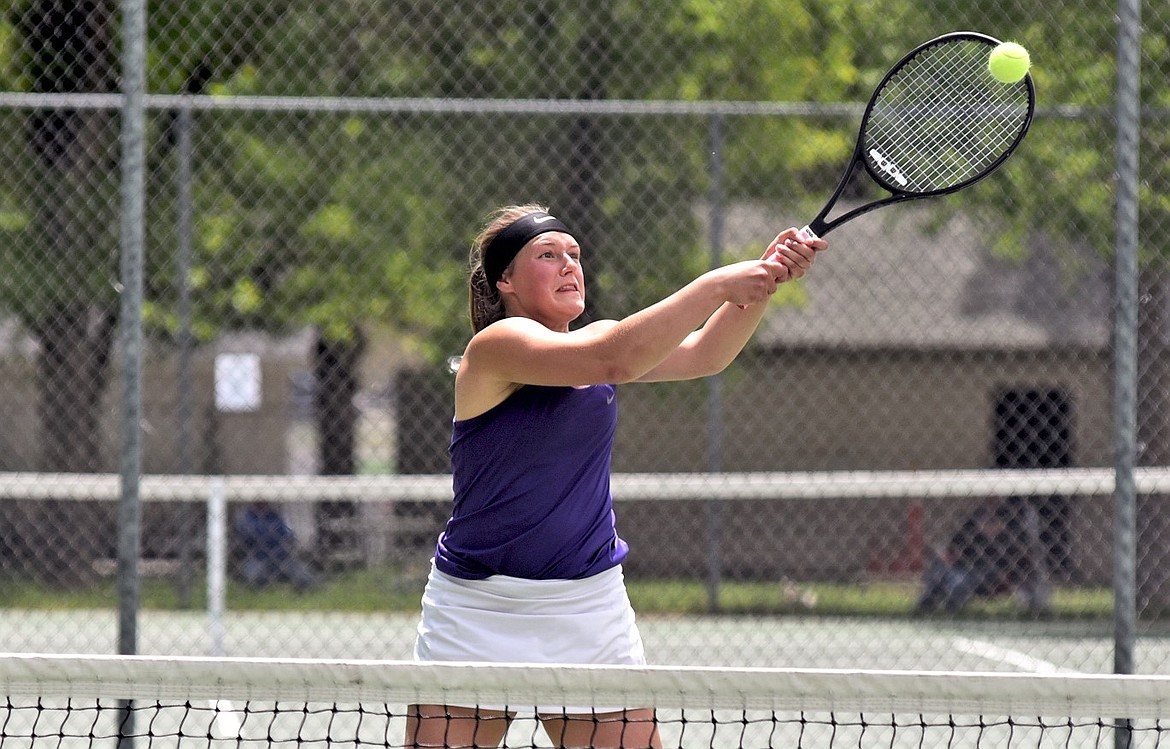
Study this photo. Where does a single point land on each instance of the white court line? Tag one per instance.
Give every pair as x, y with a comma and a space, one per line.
227, 723
1023, 661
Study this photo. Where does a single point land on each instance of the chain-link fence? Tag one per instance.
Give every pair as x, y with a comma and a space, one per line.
314, 175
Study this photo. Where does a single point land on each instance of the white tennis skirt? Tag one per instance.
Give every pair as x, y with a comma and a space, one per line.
512, 620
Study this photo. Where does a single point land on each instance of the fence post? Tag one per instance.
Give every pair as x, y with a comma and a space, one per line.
1125, 347
216, 563
1125, 336
184, 123
133, 231
715, 383
132, 240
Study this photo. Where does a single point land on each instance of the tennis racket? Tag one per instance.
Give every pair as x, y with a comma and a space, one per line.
937, 122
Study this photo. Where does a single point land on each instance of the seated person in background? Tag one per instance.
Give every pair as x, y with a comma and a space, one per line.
269, 548
980, 560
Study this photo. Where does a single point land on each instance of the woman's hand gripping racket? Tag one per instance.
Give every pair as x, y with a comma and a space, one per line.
938, 122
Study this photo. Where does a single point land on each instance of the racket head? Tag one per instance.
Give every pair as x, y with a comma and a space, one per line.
939, 121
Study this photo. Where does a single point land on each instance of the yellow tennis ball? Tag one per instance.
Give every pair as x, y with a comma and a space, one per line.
1009, 63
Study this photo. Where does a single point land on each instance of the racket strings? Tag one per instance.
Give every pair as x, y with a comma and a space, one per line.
941, 120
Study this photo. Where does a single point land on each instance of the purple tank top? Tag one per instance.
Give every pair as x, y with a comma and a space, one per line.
532, 494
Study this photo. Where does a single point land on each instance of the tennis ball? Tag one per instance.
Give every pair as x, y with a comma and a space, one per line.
1009, 63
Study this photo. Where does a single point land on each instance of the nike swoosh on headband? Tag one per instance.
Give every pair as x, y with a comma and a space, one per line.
504, 246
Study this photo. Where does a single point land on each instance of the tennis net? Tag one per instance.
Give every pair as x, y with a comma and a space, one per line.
75, 701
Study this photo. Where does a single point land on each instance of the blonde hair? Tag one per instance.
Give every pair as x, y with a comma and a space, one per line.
484, 304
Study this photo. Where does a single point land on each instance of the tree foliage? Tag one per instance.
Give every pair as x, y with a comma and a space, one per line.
309, 218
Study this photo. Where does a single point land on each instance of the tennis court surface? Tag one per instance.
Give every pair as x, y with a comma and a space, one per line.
684, 640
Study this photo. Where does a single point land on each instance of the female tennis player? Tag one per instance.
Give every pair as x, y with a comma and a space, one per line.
528, 569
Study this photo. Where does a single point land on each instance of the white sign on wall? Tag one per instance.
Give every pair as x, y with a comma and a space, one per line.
237, 382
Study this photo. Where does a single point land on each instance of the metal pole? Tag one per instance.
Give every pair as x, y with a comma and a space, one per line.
217, 565
1125, 347
186, 339
715, 383
1125, 337
132, 239
184, 125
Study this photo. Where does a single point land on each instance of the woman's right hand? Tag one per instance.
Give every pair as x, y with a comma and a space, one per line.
748, 282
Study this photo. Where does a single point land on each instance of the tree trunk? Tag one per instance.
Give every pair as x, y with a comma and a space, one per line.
71, 51
72, 373
70, 303
335, 367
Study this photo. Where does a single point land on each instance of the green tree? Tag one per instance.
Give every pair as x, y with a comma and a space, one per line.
316, 219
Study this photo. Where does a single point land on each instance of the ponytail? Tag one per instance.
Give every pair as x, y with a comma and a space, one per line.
484, 304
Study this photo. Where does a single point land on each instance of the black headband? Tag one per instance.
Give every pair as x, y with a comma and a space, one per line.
499, 252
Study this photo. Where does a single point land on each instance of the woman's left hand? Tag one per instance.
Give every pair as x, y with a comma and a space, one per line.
795, 251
